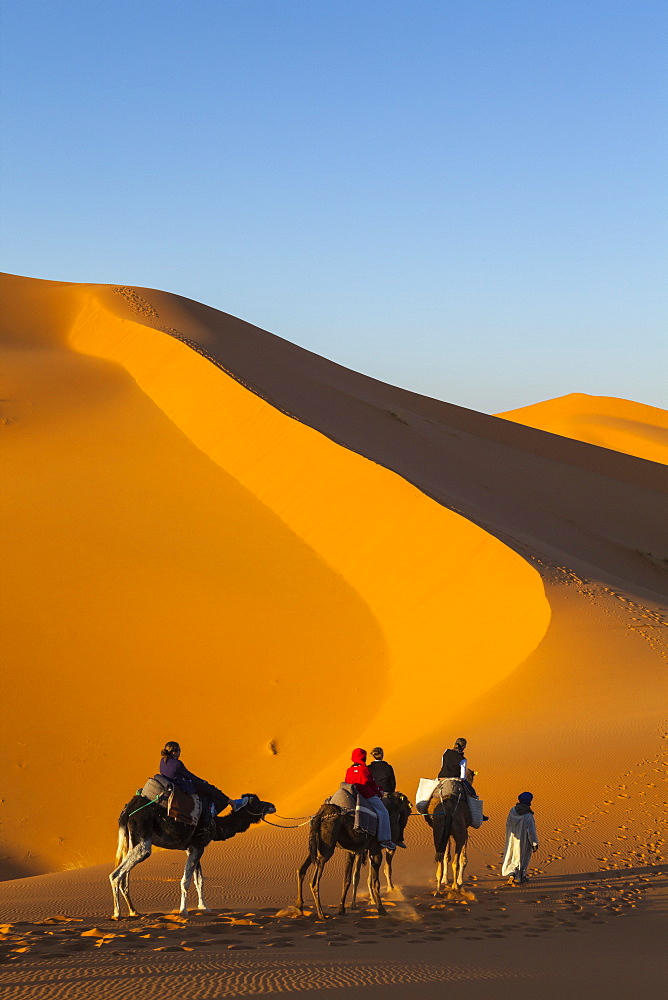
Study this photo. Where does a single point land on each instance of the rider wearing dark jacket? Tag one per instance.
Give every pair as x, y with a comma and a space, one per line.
382, 772
179, 775
454, 765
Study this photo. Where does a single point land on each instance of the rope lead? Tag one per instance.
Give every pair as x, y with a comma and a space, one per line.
145, 804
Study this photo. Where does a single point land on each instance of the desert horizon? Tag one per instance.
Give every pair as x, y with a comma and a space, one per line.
217, 537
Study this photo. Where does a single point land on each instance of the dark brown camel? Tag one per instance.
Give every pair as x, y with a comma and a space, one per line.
449, 816
143, 825
333, 827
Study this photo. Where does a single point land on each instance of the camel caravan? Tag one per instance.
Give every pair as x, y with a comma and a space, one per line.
366, 817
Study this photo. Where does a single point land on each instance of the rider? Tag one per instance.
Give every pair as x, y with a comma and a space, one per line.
360, 775
382, 772
179, 775
454, 765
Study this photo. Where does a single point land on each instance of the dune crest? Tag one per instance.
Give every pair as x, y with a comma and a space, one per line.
618, 424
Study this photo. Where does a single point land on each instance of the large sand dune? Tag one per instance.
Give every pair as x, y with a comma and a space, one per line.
214, 536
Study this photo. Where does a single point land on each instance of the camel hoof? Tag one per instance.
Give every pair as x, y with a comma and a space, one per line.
382, 911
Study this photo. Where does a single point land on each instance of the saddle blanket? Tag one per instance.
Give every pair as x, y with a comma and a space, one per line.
183, 807
365, 817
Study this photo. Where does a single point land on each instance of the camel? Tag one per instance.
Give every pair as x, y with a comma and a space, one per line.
333, 827
144, 824
449, 817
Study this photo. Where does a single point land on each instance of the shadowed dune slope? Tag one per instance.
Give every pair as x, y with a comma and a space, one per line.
619, 424
183, 560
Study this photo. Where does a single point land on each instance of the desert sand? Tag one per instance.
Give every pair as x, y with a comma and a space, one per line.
215, 536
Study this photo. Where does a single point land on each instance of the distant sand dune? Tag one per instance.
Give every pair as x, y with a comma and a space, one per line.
620, 424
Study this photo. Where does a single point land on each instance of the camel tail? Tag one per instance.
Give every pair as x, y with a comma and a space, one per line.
123, 843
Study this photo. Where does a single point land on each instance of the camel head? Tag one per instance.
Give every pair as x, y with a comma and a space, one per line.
255, 808
252, 812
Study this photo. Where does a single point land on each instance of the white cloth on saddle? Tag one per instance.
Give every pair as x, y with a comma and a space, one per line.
428, 787
443, 788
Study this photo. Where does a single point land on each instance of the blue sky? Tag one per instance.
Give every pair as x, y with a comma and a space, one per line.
463, 197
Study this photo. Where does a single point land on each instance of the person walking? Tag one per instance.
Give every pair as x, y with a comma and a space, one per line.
521, 840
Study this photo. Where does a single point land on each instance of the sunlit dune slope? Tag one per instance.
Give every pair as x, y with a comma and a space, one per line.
619, 424
540, 493
183, 560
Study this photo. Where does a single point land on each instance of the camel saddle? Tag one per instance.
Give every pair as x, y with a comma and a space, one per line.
181, 806
347, 797
435, 787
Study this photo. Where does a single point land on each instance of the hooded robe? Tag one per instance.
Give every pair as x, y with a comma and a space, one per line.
521, 839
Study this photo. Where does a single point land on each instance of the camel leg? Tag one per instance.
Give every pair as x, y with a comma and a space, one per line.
455, 868
199, 886
315, 885
442, 868
387, 868
439, 876
462, 866
192, 861
356, 880
301, 872
120, 877
347, 877
374, 880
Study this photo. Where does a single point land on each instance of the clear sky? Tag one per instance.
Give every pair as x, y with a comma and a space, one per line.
463, 197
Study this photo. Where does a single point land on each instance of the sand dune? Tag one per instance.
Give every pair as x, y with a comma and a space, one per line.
619, 424
186, 557
217, 537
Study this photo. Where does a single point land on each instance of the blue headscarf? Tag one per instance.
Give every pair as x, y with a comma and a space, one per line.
525, 798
